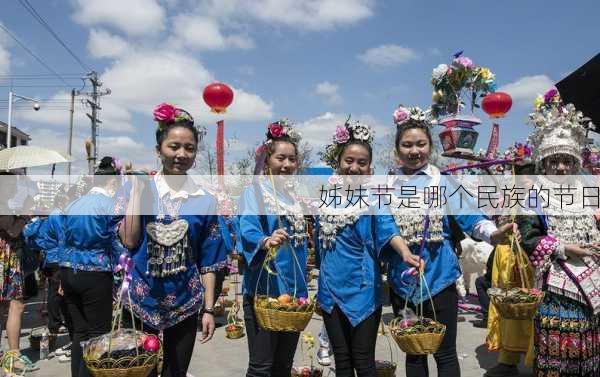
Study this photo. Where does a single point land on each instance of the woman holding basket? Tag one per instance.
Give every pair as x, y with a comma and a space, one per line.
172, 231
273, 239
350, 239
430, 241
563, 243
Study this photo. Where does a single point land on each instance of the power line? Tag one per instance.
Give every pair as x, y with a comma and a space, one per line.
40, 76
31, 53
40, 19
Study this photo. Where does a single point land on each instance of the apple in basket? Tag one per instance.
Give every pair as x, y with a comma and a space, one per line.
303, 301
151, 343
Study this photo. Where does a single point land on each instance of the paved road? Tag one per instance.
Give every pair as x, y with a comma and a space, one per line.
223, 357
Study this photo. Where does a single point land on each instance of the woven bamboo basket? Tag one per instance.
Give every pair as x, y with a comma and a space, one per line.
282, 320
517, 311
234, 331
385, 368
424, 343
138, 366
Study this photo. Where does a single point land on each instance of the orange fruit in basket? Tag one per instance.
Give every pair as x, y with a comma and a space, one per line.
284, 299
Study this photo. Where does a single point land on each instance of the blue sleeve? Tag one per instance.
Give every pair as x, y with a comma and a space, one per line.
251, 234
213, 254
35, 234
226, 226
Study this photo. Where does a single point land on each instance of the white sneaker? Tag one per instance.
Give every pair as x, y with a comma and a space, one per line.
323, 356
64, 350
64, 359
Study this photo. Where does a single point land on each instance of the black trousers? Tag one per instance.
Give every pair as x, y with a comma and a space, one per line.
446, 311
271, 354
178, 344
89, 303
353, 347
58, 313
482, 284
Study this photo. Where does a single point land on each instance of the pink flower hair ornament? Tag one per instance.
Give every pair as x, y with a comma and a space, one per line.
166, 114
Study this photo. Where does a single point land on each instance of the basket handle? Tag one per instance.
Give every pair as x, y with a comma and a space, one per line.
520, 260
272, 252
117, 320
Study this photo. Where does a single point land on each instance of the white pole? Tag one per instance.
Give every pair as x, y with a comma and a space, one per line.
9, 124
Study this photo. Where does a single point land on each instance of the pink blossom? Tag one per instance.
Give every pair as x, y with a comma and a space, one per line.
164, 113
341, 135
464, 61
276, 130
400, 115
550, 94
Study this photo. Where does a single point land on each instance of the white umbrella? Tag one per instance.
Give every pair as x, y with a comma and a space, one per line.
26, 156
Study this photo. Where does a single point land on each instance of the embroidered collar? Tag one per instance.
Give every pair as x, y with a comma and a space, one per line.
189, 188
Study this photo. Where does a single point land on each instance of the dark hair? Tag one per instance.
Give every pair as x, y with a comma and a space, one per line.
106, 167
162, 132
525, 169
400, 130
356, 142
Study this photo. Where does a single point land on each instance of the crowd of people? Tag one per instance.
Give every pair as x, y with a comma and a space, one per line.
170, 229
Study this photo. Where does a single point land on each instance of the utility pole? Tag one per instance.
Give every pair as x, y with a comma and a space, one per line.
95, 105
70, 145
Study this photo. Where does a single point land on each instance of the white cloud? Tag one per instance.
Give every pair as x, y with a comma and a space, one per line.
176, 78
55, 112
134, 17
526, 88
102, 44
310, 14
123, 147
204, 33
318, 131
4, 56
4, 61
329, 91
387, 55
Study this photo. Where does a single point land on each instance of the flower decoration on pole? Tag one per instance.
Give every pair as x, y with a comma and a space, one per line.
461, 78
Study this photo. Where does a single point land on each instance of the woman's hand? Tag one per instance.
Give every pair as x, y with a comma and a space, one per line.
208, 327
502, 234
414, 261
278, 237
578, 250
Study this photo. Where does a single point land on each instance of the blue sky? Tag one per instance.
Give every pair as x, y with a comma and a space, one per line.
311, 61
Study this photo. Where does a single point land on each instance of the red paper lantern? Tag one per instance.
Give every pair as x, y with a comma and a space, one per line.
496, 104
218, 97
